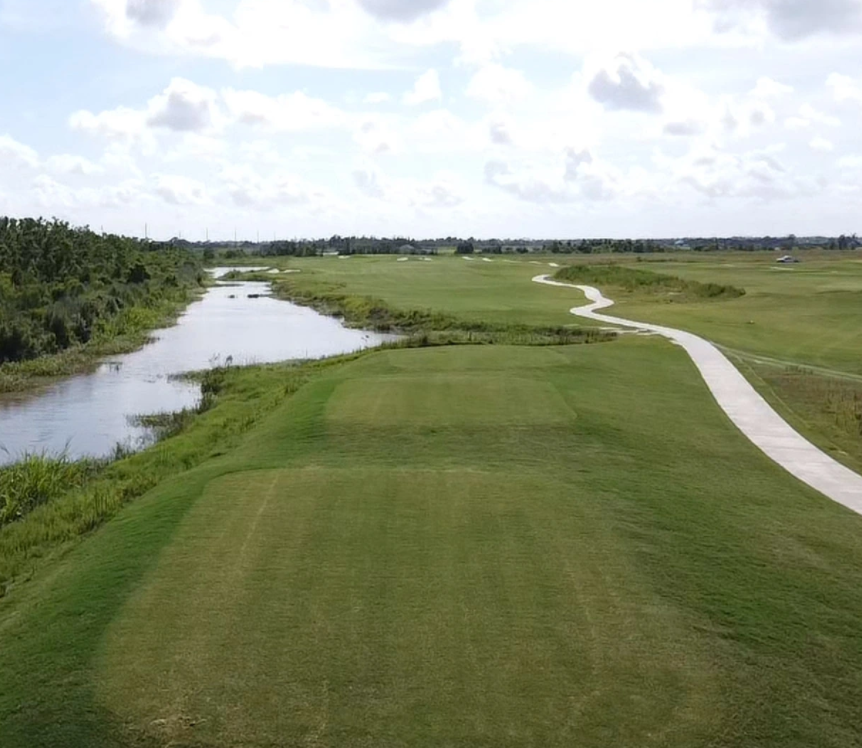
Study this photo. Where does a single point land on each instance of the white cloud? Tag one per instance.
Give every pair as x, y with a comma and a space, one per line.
152, 12
120, 123
180, 190
844, 88
369, 182
790, 20
378, 97
288, 112
716, 173
440, 193
184, 107
821, 144
767, 88
813, 115
851, 162
627, 82
499, 132
376, 136
69, 164
401, 10
426, 88
17, 154
685, 128
249, 189
498, 85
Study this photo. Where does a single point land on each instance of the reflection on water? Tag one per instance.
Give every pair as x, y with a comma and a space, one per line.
89, 414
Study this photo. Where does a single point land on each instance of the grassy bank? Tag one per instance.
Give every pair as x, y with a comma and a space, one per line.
51, 504
372, 313
670, 288
485, 546
130, 330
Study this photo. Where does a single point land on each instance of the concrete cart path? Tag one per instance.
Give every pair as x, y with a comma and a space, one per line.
744, 406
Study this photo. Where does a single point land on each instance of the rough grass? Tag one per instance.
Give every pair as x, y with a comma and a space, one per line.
809, 315
825, 408
484, 546
37, 479
669, 287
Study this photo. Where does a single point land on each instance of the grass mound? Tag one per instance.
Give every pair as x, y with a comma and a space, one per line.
636, 280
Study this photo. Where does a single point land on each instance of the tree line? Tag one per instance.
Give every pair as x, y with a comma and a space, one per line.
61, 286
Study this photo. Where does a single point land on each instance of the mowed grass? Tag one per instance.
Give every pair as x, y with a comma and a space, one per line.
808, 314
496, 291
471, 546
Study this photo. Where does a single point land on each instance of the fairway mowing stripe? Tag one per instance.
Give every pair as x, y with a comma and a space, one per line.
744, 406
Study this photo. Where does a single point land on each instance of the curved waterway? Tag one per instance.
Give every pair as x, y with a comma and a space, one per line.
89, 415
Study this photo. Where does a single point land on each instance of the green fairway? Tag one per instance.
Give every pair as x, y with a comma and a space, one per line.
464, 546
495, 291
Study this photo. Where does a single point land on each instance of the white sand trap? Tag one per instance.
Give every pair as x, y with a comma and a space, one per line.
427, 259
403, 259
485, 259
291, 270
469, 259
553, 265
744, 406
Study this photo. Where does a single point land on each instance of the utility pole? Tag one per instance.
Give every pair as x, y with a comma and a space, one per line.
146, 232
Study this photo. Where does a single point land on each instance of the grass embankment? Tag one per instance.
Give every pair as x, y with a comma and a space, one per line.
484, 546
47, 504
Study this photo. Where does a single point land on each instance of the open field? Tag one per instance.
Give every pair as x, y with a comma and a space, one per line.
485, 546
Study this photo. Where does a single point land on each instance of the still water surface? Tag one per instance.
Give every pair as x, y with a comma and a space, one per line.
89, 414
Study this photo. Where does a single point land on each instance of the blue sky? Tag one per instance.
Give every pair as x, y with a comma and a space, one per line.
511, 118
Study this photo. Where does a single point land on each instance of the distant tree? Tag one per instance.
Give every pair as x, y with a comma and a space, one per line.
465, 248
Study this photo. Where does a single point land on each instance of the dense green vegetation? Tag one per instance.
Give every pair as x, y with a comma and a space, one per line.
37, 479
671, 287
485, 546
62, 287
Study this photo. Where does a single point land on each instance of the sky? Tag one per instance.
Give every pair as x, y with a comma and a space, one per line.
433, 118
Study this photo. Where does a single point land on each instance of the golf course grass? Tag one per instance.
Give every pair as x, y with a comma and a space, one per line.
796, 333
457, 546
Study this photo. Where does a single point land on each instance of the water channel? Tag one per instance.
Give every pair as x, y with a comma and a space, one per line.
89, 415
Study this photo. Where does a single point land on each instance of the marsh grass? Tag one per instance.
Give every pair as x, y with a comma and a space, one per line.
636, 280
37, 479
